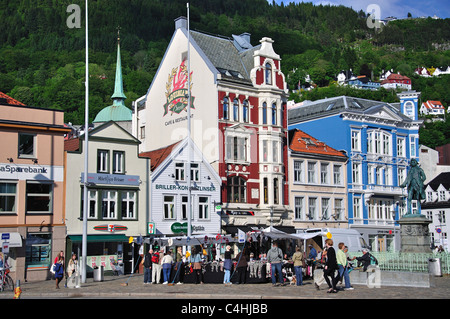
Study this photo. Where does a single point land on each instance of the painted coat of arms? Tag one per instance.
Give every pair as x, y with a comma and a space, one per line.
177, 90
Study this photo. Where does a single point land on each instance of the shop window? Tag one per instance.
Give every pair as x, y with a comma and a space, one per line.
7, 197
27, 145
38, 250
39, 198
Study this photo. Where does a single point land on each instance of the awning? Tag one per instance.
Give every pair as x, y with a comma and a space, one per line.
100, 238
14, 239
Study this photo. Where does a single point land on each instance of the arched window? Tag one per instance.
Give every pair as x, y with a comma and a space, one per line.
264, 113
236, 110
274, 114
226, 111
245, 111
268, 73
236, 189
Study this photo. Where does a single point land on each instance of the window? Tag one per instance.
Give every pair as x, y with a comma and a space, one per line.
109, 204
264, 113
275, 151
26, 145
39, 198
356, 140
236, 110
429, 196
266, 190
370, 174
265, 151
184, 208
337, 174
412, 146
237, 189
401, 147
102, 161
325, 208
142, 132
245, 111
298, 171
268, 73
324, 173
379, 142
276, 199
195, 172
274, 114
386, 144
312, 208
311, 172
179, 171
338, 208
128, 204
356, 173
226, 111
387, 176
378, 175
401, 175
118, 162
298, 209
236, 148
203, 207
169, 207
441, 196
38, 249
357, 207
7, 197
93, 207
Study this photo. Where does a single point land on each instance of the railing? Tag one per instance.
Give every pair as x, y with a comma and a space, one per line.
415, 262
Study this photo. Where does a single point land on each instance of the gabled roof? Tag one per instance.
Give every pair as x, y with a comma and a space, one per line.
302, 142
10, 100
158, 156
442, 179
433, 105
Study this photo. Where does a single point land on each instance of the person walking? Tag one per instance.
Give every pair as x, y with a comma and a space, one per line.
298, 260
73, 274
227, 265
342, 262
241, 266
167, 262
275, 258
147, 262
330, 266
59, 268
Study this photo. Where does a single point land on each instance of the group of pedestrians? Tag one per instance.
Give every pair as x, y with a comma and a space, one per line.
157, 262
72, 273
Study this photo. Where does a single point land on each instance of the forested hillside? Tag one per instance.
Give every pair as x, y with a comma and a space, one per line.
42, 60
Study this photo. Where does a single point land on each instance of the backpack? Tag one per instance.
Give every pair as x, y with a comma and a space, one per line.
155, 258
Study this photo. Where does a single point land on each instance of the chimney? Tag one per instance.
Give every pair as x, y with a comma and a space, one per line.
180, 22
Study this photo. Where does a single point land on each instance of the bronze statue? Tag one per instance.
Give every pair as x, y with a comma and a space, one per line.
414, 183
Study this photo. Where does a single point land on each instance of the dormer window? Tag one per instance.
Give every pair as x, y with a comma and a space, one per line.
268, 74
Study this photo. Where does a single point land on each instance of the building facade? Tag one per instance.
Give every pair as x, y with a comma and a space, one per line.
170, 191
118, 192
380, 139
238, 119
32, 189
318, 183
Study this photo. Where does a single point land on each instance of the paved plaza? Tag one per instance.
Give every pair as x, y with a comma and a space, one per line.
132, 287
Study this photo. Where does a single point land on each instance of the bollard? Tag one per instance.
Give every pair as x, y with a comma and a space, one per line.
17, 290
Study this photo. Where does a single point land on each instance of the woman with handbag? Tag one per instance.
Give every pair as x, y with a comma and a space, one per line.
59, 269
330, 267
299, 263
196, 260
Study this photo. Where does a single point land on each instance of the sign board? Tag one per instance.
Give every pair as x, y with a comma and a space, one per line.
112, 179
438, 230
5, 236
5, 247
151, 230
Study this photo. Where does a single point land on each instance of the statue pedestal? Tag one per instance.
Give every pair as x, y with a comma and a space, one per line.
414, 234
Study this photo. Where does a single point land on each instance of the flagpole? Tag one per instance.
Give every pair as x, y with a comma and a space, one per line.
86, 148
189, 231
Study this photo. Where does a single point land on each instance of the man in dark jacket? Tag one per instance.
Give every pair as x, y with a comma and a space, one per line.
148, 267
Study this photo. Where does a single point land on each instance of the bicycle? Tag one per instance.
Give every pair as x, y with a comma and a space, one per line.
6, 282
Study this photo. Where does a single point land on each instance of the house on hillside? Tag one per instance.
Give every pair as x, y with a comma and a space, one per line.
363, 82
397, 81
432, 108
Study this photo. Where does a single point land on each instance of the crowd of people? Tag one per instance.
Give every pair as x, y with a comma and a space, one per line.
330, 265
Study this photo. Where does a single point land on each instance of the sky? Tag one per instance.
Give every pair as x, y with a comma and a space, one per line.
388, 8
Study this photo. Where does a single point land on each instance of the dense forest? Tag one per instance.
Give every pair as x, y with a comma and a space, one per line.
42, 60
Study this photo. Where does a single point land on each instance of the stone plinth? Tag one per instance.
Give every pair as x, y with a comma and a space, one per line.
415, 237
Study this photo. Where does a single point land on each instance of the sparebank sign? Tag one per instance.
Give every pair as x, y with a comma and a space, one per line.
37, 172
